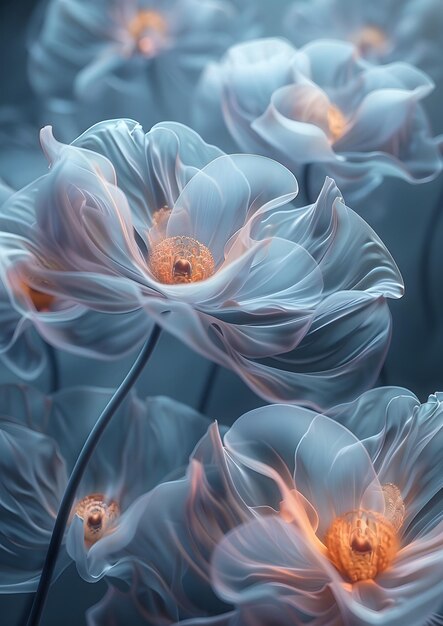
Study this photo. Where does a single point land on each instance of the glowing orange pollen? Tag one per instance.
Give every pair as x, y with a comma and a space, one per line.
177, 260
145, 28
41, 300
336, 122
97, 514
361, 544
370, 38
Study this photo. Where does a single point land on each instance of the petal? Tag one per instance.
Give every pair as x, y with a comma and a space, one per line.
32, 480
349, 253
170, 533
151, 169
403, 439
216, 203
331, 468
267, 559
294, 141
342, 352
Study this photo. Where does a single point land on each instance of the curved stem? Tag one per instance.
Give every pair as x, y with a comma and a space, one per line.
206, 393
425, 261
305, 180
54, 378
78, 471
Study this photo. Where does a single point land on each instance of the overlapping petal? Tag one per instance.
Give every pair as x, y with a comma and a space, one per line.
117, 59
322, 105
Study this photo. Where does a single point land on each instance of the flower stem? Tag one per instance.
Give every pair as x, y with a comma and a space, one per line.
305, 176
78, 471
53, 377
206, 393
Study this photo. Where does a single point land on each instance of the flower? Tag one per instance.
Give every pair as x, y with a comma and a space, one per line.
323, 105
358, 535
136, 58
148, 442
383, 32
293, 300
178, 527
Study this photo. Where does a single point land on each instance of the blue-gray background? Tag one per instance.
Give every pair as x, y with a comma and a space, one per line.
398, 212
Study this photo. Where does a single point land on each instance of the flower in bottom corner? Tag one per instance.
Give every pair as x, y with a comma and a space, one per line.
148, 442
357, 537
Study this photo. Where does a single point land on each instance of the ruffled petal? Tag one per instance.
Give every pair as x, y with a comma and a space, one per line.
347, 250
32, 480
269, 562
403, 439
170, 533
329, 466
151, 169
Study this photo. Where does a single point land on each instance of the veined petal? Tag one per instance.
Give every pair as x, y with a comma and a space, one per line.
32, 479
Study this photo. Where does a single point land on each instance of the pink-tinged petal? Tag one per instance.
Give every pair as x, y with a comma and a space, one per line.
403, 437
290, 139
269, 559
32, 480
344, 349
218, 200
169, 534
330, 467
380, 119
349, 253
151, 168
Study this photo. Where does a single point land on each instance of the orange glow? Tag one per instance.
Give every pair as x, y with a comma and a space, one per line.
370, 38
143, 26
97, 514
176, 260
336, 122
41, 300
361, 544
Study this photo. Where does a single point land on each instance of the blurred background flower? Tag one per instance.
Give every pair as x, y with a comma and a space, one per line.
323, 105
136, 58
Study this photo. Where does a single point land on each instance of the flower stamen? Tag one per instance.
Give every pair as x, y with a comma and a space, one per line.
176, 260
336, 123
370, 38
361, 544
97, 514
147, 28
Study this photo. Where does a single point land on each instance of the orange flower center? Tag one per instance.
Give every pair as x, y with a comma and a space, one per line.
177, 260
336, 122
370, 38
361, 544
145, 28
41, 300
97, 514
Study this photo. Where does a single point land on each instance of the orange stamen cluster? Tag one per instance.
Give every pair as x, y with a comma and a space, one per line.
97, 514
144, 27
336, 123
177, 260
42, 301
361, 544
370, 38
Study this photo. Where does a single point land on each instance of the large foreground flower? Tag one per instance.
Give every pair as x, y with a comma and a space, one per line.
383, 31
148, 442
293, 300
358, 537
323, 105
134, 58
